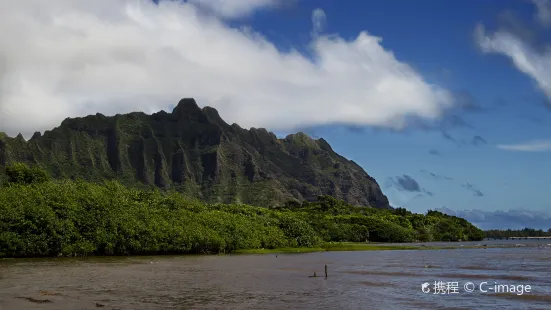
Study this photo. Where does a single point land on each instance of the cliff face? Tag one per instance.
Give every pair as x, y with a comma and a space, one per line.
194, 151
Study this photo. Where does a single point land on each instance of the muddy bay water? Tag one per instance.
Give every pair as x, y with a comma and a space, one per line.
357, 280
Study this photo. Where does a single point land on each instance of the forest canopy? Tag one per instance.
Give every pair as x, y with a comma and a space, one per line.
44, 217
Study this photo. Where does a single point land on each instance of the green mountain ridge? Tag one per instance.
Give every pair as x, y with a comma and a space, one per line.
194, 151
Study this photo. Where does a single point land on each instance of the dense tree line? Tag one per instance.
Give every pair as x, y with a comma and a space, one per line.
526, 232
42, 217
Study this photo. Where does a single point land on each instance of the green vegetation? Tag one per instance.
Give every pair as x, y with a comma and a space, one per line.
193, 151
20, 173
41, 217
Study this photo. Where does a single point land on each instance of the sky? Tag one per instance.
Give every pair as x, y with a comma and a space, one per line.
447, 104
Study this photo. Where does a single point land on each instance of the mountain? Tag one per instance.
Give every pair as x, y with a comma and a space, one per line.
194, 151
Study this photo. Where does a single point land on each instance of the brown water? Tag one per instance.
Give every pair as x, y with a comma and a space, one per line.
357, 280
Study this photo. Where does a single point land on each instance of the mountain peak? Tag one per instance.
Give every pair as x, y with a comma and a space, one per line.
302, 139
36, 135
186, 106
195, 151
213, 115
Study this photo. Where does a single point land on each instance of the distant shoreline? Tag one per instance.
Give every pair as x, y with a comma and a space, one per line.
327, 247
353, 246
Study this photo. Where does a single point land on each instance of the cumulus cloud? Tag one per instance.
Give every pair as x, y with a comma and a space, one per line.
319, 20
69, 58
530, 146
513, 219
233, 8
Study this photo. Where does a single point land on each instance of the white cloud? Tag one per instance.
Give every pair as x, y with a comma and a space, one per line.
69, 58
535, 64
319, 19
532, 62
543, 11
233, 8
530, 146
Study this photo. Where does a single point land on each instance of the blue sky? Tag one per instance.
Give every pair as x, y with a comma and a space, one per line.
436, 37
445, 103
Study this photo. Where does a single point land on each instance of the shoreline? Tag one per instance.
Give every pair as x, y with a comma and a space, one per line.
352, 247
327, 247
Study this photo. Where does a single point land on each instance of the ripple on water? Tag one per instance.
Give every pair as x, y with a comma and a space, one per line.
485, 276
372, 280
377, 284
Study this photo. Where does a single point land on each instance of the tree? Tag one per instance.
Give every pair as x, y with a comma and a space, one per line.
20, 173
293, 204
328, 202
401, 211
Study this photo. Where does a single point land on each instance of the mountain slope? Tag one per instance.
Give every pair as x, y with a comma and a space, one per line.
196, 152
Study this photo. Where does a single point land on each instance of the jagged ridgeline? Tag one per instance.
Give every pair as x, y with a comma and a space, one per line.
194, 151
